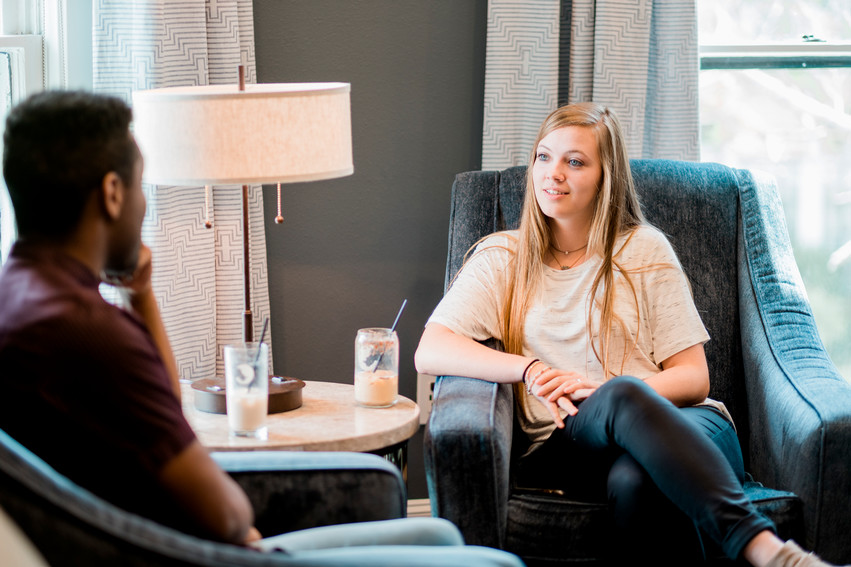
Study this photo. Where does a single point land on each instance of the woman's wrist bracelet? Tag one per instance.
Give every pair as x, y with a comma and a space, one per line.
526, 371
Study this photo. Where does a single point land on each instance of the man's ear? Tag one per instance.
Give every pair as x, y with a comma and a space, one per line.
112, 190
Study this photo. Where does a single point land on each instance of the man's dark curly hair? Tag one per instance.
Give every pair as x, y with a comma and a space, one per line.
58, 147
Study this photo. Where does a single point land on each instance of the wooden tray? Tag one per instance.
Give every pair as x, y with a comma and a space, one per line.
284, 394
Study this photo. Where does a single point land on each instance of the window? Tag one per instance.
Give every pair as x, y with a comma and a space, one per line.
775, 95
20, 74
43, 44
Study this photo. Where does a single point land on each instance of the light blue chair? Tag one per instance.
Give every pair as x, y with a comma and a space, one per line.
289, 491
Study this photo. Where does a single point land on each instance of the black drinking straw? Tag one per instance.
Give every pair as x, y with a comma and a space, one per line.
393, 328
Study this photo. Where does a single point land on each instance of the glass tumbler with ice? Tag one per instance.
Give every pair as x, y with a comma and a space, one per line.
247, 388
376, 367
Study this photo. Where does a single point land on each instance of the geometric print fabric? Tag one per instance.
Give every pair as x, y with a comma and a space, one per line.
637, 57
198, 277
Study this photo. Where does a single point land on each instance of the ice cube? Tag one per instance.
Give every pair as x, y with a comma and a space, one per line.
244, 374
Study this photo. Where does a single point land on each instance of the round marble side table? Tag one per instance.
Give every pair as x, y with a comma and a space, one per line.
328, 420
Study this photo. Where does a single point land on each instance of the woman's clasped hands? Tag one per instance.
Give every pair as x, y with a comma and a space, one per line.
557, 388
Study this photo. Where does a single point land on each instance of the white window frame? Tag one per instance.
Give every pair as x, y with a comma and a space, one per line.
47, 19
810, 54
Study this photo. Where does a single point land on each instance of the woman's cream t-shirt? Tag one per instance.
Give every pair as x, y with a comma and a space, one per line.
666, 322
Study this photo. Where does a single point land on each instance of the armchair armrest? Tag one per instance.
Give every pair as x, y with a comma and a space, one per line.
797, 400
293, 490
467, 455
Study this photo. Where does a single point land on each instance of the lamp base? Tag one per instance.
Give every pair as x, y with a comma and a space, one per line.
284, 394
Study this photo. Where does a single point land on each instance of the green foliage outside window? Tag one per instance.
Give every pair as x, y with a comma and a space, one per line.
796, 125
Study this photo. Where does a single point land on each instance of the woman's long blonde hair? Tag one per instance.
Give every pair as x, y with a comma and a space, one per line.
616, 212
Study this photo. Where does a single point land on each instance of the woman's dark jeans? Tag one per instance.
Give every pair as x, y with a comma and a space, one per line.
664, 471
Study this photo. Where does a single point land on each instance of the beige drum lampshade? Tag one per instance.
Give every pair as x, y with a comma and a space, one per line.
268, 133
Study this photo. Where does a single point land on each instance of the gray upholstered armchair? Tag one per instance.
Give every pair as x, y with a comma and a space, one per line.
289, 491
767, 364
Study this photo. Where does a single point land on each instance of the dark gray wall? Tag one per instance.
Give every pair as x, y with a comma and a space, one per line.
351, 249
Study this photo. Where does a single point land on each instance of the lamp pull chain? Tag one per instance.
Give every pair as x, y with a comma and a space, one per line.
279, 219
207, 222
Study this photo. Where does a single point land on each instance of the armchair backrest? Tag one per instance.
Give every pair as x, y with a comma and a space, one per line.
71, 526
695, 204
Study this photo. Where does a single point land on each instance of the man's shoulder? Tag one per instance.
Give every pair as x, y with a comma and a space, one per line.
42, 310
33, 277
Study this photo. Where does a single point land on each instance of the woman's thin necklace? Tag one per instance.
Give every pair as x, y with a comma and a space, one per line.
562, 266
566, 252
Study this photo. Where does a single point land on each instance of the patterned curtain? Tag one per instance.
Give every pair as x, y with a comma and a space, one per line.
639, 57
198, 277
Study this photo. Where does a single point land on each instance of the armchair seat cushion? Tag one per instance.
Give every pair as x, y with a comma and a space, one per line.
572, 531
782, 507
565, 530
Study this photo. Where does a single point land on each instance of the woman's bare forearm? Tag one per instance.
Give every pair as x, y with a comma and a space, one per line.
684, 378
444, 352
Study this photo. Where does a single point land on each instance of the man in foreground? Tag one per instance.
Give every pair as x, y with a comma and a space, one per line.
91, 388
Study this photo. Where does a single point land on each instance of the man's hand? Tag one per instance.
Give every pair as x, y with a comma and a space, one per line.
211, 499
253, 535
137, 284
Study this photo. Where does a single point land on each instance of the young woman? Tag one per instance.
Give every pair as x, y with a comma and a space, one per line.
605, 347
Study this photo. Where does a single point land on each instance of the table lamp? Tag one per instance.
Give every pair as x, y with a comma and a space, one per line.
244, 134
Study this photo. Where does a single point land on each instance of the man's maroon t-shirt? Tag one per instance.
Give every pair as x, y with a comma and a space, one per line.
82, 384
